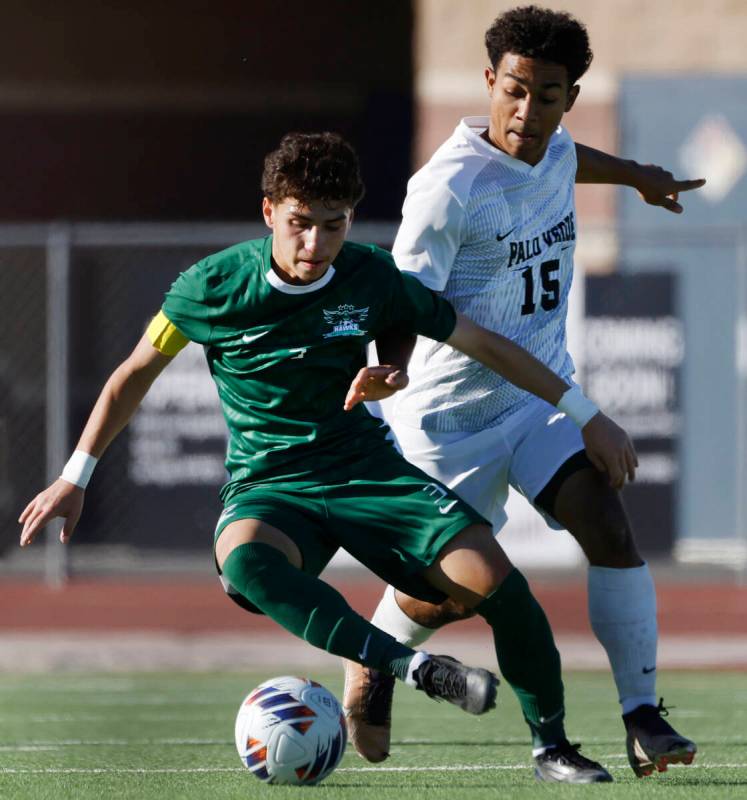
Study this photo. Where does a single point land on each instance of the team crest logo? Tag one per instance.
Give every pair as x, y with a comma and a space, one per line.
345, 321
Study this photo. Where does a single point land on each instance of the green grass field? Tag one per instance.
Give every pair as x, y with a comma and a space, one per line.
158, 735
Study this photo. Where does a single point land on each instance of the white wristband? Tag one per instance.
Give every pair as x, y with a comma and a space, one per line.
79, 468
577, 406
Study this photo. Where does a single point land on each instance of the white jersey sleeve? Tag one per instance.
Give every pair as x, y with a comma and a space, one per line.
431, 231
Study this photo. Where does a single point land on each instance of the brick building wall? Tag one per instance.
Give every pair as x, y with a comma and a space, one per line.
627, 36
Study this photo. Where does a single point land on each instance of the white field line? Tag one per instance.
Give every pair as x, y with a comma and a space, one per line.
28, 748
58, 744
46, 718
185, 770
112, 743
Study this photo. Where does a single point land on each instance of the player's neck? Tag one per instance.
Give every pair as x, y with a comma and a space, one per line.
290, 278
493, 142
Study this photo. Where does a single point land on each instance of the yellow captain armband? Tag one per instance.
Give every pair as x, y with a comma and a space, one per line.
165, 336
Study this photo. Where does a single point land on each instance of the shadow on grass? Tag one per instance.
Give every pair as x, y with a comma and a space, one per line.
452, 786
707, 781
741, 742
488, 743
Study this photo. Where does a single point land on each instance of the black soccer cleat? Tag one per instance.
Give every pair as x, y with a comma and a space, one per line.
564, 764
470, 688
652, 743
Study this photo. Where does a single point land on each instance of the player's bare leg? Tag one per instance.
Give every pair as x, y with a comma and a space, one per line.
430, 615
467, 570
622, 608
621, 602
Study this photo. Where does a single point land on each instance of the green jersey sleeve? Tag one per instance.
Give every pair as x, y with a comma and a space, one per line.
186, 307
432, 316
417, 308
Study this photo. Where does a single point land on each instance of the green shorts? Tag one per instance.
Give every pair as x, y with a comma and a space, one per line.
386, 513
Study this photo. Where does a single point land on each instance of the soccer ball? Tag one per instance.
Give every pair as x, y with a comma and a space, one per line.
290, 731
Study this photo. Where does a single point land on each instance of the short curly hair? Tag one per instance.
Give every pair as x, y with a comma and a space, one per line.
540, 33
313, 166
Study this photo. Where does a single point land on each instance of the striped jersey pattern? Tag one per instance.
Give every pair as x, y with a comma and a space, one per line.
495, 236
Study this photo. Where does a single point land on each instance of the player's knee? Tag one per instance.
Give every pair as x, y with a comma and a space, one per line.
252, 570
615, 530
245, 531
470, 567
436, 616
453, 611
613, 542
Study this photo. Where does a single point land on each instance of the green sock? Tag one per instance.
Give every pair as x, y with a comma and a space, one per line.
311, 609
527, 656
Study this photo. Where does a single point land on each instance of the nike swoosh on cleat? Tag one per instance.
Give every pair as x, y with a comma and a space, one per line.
648, 670
500, 238
364, 652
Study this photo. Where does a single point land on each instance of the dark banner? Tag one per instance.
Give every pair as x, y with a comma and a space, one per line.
634, 347
157, 486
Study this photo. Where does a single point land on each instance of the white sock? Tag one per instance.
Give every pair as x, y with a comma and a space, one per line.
622, 612
415, 662
391, 619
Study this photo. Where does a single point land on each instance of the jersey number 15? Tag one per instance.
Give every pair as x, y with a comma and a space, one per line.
550, 295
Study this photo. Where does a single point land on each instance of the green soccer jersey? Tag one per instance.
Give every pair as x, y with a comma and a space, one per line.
283, 355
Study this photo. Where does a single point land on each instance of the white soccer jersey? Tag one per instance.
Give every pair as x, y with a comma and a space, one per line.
496, 237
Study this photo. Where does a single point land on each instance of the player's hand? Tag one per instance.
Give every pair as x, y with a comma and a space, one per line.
610, 450
657, 187
375, 383
61, 499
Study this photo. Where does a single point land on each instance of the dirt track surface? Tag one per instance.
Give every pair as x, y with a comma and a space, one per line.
199, 606
115, 625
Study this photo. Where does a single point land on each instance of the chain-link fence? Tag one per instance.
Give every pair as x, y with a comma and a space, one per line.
23, 368
75, 299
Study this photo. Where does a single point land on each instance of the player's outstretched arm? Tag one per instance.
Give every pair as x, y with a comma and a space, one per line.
118, 401
655, 185
608, 446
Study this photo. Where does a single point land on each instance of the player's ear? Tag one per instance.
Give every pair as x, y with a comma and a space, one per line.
268, 212
490, 79
572, 95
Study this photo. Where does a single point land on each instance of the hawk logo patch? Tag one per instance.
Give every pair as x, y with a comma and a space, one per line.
345, 321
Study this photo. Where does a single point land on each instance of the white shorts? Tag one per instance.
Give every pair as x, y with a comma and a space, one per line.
525, 451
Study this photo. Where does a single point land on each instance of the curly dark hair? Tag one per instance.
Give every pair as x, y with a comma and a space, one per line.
313, 166
543, 34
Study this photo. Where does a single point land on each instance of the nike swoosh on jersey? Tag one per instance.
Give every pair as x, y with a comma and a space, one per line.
364, 652
247, 338
648, 670
500, 238
446, 509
